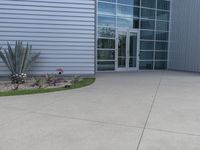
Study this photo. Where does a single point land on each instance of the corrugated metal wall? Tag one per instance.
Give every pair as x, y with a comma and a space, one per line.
63, 30
184, 52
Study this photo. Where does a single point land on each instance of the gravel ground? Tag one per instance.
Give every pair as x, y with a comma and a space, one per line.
7, 85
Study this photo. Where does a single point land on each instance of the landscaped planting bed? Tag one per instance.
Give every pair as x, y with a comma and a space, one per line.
33, 86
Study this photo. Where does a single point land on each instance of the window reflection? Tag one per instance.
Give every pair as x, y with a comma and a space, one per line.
106, 43
160, 25
127, 2
106, 55
112, 1
106, 32
106, 9
163, 15
125, 11
148, 24
125, 22
106, 21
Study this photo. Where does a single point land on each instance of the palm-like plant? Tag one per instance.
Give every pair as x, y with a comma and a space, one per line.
18, 60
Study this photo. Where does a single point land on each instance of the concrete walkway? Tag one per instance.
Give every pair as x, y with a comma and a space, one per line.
121, 111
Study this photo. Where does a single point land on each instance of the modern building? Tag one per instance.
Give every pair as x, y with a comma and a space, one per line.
86, 36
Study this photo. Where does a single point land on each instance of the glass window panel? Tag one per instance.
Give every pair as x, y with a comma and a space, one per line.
160, 65
106, 32
125, 22
106, 55
149, 3
106, 21
124, 11
127, 2
106, 43
163, 4
112, 1
122, 45
105, 65
148, 24
146, 55
148, 35
137, 2
106, 9
122, 50
161, 55
121, 62
136, 12
147, 13
132, 62
161, 45
162, 35
136, 23
147, 45
133, 44
146, 65
163, 15
160, 25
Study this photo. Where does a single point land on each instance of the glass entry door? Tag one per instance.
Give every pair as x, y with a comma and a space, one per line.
127, 50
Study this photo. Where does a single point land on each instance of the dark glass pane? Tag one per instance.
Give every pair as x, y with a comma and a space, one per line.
133, 45
106, 9
146, 55
106, 43
148, 35
112, 1
122, 50
148, 24
137, 2
136, 12
160, 25
106, 55
163, 15
105, 65
124, 11
147, 45
106, 21
162, 35
121, 62
164, 4
147, 13
160, 65
136, 23
132, 62
125, 22
127, 2
146, 65
161, 55
149, 3
122, 45
161, 45
106, 32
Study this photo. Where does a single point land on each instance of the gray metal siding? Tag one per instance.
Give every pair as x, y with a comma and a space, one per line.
184, 52
63, 30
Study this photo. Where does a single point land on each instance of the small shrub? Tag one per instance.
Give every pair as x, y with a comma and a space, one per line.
76, 78
39, 82
50, 79
18, 60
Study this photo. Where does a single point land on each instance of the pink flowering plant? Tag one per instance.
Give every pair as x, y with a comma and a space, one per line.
60, 70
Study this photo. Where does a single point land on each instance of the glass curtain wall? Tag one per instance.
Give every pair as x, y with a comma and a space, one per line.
150, 17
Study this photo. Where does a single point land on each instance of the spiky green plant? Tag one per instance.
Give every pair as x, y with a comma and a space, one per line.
18, 60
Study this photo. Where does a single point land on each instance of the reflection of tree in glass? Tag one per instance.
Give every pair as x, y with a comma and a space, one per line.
106, 32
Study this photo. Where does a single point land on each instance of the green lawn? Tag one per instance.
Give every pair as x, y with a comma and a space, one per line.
82, 83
